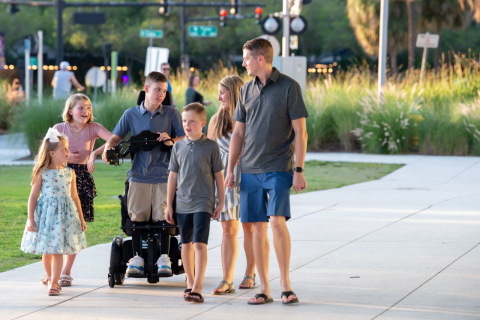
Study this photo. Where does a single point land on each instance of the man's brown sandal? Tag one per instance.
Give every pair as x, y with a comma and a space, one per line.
245, 278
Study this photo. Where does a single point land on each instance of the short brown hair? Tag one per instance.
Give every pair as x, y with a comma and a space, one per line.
197, 108
154, 77
70, 104
260, 46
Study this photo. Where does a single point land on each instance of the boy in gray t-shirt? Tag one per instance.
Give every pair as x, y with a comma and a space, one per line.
195, 167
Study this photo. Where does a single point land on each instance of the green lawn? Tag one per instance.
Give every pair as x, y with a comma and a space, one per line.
15, 189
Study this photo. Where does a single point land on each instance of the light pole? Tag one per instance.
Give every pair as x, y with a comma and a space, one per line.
382, 49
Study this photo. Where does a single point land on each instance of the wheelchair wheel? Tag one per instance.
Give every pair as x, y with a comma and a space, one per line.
119, 278
111, 281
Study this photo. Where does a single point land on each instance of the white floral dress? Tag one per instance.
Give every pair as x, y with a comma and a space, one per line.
59, 230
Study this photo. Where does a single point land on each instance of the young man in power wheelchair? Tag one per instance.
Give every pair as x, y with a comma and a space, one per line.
144, 201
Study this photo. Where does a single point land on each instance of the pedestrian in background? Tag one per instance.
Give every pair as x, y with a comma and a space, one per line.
62, 82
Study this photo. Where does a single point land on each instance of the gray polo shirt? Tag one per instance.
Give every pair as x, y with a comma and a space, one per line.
196, 163
150, 166
267, 112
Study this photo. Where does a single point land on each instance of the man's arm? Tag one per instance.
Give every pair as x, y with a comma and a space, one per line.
76, 83
236, 143
301, 138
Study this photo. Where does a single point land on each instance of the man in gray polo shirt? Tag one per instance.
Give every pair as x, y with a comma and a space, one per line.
148, 176
270, 116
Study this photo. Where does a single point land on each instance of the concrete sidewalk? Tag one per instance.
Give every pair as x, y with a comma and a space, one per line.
402, 247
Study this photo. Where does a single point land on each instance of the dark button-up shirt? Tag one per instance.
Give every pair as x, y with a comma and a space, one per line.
150, 166
267, 112
196, 163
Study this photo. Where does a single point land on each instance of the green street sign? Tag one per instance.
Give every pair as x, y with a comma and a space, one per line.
147, 33
33, 61
203, 31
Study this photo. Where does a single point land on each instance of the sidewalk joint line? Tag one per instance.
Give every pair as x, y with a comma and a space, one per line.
58, 303
426, 282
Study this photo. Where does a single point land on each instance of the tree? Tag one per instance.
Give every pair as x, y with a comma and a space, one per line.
452, 14
364, 17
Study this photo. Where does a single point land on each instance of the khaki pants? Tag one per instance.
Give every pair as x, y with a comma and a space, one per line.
145, 198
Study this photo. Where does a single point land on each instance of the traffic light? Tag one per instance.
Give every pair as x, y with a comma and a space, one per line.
12, 8
223, 18
258, 15
164, 9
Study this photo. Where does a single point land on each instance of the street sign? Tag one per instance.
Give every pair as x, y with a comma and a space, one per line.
203, 31
155, 57
33, 61
96, 77
427, 40
147, 33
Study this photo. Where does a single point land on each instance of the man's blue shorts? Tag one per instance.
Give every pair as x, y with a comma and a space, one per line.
265, 194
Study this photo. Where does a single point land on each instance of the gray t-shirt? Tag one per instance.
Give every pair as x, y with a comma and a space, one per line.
267, 112
62, 85
196, 163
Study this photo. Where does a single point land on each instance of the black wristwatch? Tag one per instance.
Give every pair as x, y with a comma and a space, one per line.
298, 169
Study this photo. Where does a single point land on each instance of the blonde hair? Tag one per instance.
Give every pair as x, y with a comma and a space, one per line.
225, 121
197, 108
70, 104
43, 158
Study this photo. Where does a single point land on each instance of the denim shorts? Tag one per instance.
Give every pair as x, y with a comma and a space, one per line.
194, 227
265, 194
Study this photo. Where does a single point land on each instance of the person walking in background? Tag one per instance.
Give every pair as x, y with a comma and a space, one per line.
272, 108
165, 69
55, 224
191, 94
62, 82
82, 134
220, 129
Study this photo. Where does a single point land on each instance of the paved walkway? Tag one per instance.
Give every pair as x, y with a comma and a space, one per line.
402, 247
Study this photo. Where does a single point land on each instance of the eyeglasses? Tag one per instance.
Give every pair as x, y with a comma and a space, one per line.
165, 69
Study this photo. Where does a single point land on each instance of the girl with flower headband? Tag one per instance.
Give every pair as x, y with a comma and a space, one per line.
55, 224
82, 134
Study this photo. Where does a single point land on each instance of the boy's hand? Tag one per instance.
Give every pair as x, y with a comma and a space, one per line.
164, 136
230, 180
218, 210
169, 215
31, 225
84, 225
104, 154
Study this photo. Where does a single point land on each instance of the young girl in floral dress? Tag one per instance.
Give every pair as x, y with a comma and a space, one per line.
55, 224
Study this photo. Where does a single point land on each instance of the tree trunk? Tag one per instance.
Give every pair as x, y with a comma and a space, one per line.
411, 35
438, 50
392, 51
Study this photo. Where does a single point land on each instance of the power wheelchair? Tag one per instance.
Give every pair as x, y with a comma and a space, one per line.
150, 232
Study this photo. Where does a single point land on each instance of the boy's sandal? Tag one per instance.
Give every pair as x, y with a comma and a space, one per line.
186, 292
45, 280
65, 281
288, 294
245, 278
229, 290
266, 299
55, 290
194, 297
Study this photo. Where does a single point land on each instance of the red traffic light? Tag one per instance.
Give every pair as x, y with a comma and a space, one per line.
223, 13
258, 10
